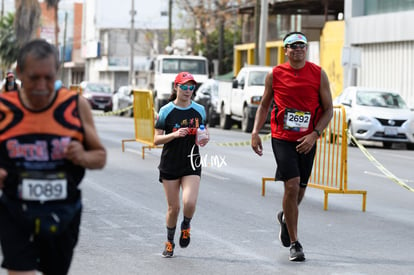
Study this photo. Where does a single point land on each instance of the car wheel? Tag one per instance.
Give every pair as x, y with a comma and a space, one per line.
207, 109
410, 146
225, 120
387, 144
123, 113
127, 113
247, 122
156, 104
210, 118
350, 132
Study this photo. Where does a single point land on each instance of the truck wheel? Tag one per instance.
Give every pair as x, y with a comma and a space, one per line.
247, 122
225, 120
157, 104
210, 120
129, 113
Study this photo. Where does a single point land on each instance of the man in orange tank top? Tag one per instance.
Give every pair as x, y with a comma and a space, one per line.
302, 110
47, 140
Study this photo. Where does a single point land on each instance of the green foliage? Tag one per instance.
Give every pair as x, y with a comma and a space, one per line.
8, 46
211, 48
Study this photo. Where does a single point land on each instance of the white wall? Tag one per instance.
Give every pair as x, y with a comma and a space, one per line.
387, 49
389, 66
379, 28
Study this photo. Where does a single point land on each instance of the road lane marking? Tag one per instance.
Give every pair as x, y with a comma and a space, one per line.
214, 175
380, 167
385, 177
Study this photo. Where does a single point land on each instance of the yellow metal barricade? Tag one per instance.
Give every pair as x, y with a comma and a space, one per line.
143, 120
330, 168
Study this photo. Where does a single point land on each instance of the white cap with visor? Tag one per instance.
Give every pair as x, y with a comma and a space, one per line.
295, 38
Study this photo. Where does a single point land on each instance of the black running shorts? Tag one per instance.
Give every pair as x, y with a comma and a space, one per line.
22, 252
290, 163
188, 172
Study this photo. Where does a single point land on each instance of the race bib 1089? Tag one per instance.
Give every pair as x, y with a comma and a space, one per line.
51, 187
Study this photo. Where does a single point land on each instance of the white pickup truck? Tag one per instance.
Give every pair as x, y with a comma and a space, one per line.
238, 100
166, 68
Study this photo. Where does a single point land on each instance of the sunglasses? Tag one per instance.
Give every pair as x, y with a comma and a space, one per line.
186, 87
297, 45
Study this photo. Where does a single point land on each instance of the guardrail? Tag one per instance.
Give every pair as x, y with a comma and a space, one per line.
143, 120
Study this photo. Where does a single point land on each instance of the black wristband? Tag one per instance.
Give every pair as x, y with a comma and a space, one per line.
317, 132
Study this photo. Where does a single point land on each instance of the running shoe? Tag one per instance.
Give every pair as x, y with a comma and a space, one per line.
283, 233
169, 250
296, 252
185, 237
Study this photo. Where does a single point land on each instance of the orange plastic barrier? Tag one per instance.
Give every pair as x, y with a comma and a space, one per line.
330, 168
143, 120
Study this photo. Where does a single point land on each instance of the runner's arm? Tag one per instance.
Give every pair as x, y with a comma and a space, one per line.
3, 175
261, 114
91, 154
326, 100
161, 138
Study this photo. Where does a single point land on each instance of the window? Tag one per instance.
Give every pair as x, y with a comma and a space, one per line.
381, 99
257, 78
386, 6
174, 66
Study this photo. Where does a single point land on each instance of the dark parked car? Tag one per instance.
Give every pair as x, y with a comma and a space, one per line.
99, 95
207, 95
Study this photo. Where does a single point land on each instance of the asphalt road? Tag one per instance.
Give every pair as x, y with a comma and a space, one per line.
234, 230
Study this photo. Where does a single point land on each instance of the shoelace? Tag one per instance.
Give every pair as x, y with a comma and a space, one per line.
168, 246
186, 233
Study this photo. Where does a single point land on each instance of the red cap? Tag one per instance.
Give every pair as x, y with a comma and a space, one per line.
10, 74
183, 77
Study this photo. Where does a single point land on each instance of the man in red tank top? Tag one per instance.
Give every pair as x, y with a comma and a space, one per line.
302, 109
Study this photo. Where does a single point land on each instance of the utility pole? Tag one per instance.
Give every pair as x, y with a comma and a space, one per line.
131, 43
256, 31
170, 23
62, 67
263, 33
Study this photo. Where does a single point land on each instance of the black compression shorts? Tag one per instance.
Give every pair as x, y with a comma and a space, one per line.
290, 163
189, 172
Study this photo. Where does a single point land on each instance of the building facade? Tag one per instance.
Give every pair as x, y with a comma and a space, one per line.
380, 40
106, 40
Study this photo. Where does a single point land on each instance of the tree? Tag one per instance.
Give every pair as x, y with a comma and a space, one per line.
28, 17
55, 5
211, 21
26, 20
8, 45
212, 52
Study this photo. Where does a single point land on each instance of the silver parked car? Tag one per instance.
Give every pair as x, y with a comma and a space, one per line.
207, 95
121, 99
378, 115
